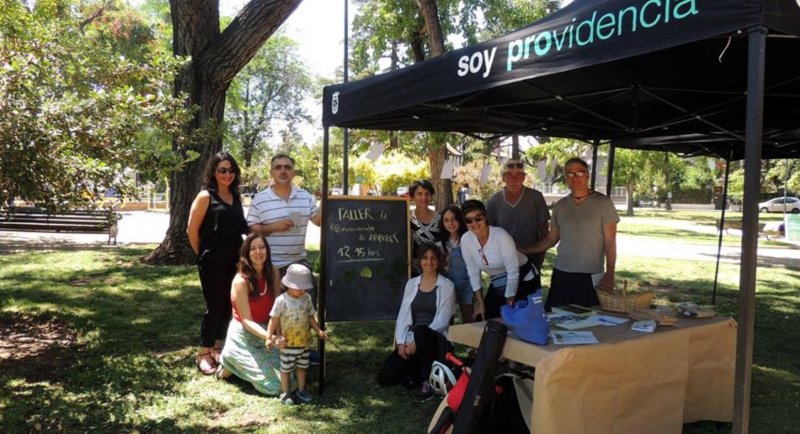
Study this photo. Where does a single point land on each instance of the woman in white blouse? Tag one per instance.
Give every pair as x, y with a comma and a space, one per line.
492, 250
421, 331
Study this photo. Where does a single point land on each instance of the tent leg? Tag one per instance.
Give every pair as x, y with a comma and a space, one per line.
747, 275
323, 275
612, 149
720, 228
595, 145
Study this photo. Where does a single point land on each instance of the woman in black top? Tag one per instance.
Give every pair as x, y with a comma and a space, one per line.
216, 225
426, 224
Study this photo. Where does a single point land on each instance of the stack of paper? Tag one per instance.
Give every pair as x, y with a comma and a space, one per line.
573, 338
647, 326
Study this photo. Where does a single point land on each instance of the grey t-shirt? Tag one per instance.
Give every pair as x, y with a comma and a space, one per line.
522, 219
581, 248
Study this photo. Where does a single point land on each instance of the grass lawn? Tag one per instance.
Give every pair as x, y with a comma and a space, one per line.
124, 337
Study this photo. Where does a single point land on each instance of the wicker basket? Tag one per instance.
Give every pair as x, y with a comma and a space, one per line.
624, 302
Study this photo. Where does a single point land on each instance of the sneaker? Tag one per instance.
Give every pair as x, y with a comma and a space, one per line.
303, 396
425, 393
313, 357
286, 399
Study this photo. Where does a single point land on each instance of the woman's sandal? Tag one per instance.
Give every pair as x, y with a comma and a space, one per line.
204, 365
219, 374
216, 354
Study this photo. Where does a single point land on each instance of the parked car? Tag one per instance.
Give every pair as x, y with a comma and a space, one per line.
792, 205
336, 191
403, 191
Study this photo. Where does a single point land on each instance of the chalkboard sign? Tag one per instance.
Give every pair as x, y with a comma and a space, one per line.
366, 257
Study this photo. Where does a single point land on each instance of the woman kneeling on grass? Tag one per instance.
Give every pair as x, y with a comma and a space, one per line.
421, 331
249, 352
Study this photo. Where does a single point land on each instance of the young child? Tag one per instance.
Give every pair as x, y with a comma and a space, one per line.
293, 314
453, 222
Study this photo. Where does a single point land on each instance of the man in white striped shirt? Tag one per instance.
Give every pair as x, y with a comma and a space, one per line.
282, 212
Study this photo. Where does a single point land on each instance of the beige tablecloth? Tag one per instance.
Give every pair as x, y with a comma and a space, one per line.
631, 382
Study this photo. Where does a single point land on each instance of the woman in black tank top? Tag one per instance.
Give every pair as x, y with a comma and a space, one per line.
216, 225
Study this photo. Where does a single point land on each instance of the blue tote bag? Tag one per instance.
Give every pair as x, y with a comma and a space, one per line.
526, 319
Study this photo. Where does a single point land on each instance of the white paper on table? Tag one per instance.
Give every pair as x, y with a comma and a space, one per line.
573, 338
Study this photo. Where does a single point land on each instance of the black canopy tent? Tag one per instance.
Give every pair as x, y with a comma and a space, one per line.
695, 77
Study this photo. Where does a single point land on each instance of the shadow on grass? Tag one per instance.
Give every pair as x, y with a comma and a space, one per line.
120, 312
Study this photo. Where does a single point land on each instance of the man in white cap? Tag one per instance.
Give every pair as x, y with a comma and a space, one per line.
520, 210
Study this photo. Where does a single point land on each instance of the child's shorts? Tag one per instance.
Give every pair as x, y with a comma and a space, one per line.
294, 357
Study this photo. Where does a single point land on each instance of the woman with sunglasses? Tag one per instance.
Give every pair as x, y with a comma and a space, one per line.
491, 249
426, 225
215, 228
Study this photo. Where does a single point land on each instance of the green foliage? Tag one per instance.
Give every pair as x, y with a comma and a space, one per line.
76, 103
266, 99
395, 170
470, 173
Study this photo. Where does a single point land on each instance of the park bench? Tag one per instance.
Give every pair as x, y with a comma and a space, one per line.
86, 221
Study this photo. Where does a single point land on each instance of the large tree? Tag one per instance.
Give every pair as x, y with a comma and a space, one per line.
266, 99
412, 31
82, 85
216, 57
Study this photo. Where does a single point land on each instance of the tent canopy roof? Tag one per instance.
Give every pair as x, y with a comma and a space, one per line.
658, 74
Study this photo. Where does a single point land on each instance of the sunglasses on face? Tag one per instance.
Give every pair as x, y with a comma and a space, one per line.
578, 174
225, 170
514, 166
470, 220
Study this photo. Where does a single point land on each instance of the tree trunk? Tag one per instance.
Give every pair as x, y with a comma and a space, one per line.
437, 155
430, 13
629, 202
216, 59
437, 151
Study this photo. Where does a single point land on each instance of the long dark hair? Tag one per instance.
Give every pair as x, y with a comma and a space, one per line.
246, 269
210, 182
462, 227
424, 248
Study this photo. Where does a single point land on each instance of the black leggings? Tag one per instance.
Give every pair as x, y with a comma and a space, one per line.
431, 345
215, 278
570, 288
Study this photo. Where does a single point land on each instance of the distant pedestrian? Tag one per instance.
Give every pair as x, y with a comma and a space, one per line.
463, 194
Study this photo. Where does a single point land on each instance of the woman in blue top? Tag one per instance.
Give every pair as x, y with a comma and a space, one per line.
456, 268
215, 228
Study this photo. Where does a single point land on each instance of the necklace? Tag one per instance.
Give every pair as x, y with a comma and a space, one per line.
581, 197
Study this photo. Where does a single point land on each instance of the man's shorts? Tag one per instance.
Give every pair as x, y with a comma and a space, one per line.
294, 357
